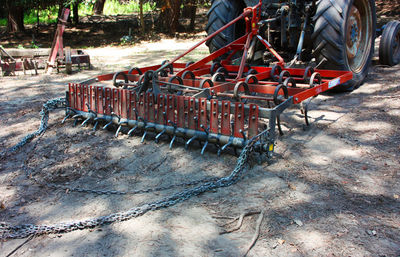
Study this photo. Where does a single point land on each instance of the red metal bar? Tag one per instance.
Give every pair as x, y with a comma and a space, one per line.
244, 14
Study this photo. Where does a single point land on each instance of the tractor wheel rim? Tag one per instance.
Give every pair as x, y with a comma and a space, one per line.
358, 35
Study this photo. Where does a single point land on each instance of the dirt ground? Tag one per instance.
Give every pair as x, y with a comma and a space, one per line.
330, 190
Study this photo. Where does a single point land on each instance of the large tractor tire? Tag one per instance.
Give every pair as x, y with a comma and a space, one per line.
344, 37
220, 14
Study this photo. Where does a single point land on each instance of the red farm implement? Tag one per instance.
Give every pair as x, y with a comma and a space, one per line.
209, 101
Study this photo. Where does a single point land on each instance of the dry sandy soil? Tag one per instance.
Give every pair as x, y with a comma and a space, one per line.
331, 189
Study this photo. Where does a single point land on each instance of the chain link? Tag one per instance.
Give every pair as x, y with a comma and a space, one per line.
9, 231
44, 114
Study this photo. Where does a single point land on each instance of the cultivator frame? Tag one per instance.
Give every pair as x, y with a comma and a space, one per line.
221, 103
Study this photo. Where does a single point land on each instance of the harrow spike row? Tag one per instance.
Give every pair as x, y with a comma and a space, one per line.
209, 101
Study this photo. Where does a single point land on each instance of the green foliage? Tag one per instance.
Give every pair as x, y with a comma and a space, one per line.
46, 16
114, 7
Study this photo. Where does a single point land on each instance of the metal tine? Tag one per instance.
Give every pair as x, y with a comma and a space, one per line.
107, 125
224, 147
163, 131
118, 130
172, 141
144, 136
85, 121
204, 147
75, 122
65, 118
174, 134
132, 130
112, 113
159, 135
196, 120
190, 141
95, 125
206, 130
89, 118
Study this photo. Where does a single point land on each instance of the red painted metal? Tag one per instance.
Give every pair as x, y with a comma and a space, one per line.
108, 100
253, 121
151, 108
238, 127
214, 116
171, 109
226, 118
212, 109
100, 100
132, 106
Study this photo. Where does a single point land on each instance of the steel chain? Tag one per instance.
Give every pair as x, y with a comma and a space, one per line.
8, 231
21, 231
44, 113
119, 192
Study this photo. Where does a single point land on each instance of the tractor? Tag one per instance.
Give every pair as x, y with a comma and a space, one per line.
329, 34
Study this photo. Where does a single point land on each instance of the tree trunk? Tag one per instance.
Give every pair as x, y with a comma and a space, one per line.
142, 25
169, 16
15, 17
193, 9
98, 7
75, 12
